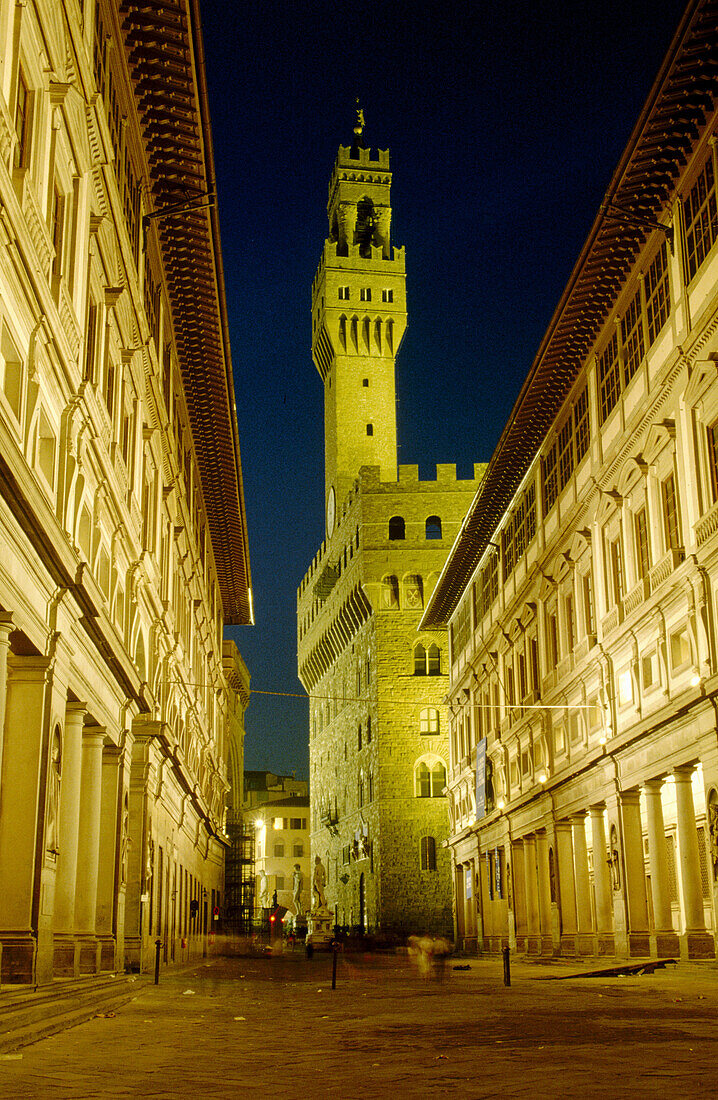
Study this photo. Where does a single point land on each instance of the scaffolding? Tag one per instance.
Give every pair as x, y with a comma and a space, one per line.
239, 876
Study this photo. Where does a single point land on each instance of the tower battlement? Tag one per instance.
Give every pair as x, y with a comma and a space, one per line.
351, 259
352, 158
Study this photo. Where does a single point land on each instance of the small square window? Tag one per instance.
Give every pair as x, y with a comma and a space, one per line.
649, 670
625, 687
365, 382
680, 649
370, 429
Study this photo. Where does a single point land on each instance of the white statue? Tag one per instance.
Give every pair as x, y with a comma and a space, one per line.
263, 890
297, 887
319, 881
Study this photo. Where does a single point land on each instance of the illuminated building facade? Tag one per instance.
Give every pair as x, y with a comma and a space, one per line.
378, 734
581, 594
123, 545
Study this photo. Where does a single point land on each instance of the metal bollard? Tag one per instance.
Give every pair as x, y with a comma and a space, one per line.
158, 945
334, 966
507, 966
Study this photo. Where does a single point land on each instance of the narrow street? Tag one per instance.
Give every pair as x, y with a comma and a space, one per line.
273, 1026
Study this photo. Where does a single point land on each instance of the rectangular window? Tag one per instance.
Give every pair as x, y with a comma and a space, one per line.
344, 293
565, 452
535, 671
550, 480
552, 640
713, 457
22, 123
57, 229
295, 823
365, 294
387, 295
671, 517
643, 560
520, 530
279, 882
658, 302
632, 338
701, 218
570, 623
614, 578
279, 849
581, 424
588, 611
609, 378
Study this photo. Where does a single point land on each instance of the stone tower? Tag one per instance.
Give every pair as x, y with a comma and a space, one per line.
358, 320
378, 746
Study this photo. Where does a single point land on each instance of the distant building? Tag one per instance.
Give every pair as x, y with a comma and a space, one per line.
378, 724
123, 547
277, 808
581, 595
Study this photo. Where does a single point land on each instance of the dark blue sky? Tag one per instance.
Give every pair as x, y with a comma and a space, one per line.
505, 123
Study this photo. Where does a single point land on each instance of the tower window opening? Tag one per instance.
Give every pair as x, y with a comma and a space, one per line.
397, 527
365, 294
387, 295
365, 224
344, 293
365, 382
433, 527
370, 429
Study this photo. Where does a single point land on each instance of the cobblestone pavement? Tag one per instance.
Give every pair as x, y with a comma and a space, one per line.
274, 1027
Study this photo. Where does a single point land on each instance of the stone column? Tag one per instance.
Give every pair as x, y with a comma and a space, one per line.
88, 848
698, 943
601, 882
533, 920
548, 946
64, 950
6, 626
566, 886
110, 869
24, 757
637, 905
519, 880
583, 887
665, 939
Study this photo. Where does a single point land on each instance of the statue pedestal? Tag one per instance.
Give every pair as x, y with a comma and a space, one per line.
320, 932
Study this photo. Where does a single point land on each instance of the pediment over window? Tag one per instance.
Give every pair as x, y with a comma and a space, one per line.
611, 501
580, 543
660, 436
633, 473
703, 375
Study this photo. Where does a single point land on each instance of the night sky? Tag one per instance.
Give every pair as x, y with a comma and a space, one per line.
505, 123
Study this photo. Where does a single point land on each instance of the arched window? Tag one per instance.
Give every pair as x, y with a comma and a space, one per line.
419, 660
397, 527
430, 779
428, 853
427, 660
360, 791
433, 527
429, 720
359, 737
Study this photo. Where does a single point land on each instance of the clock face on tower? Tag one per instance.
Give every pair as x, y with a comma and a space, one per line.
331, 511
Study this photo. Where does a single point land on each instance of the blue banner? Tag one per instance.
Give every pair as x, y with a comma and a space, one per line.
481, 779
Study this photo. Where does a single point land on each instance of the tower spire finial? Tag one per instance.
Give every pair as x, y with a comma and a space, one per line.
359, 123
358, 140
